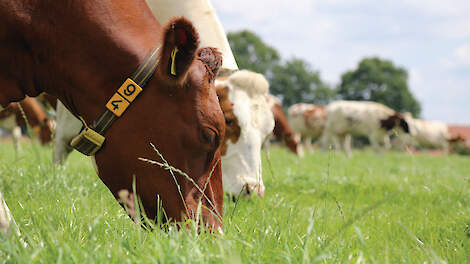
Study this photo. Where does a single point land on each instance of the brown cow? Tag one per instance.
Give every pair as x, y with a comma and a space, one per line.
35, 115
281, 126
82, 51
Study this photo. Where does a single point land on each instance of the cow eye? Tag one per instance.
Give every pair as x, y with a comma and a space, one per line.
210, 136
228, 121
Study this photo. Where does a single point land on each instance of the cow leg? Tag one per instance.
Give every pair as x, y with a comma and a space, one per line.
324, 142
445, 147
374, 142
387, 144
337, 139
347, 145
308, 143
16, 135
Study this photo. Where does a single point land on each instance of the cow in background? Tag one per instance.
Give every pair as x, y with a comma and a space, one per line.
426, 133
307, 121
12, 119
460, 134
49, 101
362, 118
282, 130
248, 123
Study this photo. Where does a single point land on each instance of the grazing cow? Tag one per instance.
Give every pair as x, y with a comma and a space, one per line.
307, 121
82, 51
11, 119
249, 121
428, 134
361, 118
282, 129
212, 34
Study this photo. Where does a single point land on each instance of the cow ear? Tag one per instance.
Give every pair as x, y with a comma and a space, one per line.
179, 48
212, 58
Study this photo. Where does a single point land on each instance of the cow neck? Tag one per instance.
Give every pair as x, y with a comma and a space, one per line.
81, 51
91, 139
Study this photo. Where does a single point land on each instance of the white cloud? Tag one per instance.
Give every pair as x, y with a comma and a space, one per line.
449, 8
462, 53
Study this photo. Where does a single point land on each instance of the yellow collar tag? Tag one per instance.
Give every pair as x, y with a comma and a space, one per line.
173, 65
124, 96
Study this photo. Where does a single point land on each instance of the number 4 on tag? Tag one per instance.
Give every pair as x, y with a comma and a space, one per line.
117, 104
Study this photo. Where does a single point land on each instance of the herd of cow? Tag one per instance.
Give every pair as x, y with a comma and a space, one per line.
204, 116
336, 123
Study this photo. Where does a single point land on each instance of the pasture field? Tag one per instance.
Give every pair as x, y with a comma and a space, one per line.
326, 208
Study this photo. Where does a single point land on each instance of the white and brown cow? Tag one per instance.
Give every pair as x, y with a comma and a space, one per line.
427, 134
249, 121
307, 121
282, 130
361, 118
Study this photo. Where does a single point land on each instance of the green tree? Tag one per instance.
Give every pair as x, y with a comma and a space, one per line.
296, 82
381, 81
293, 80
251, 53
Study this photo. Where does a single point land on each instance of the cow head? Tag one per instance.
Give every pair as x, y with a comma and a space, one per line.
395, 121
282, 129
45, 130
180, 115
249, 121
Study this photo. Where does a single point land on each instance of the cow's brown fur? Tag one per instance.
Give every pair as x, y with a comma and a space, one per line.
81, 51
282, 129
232, 128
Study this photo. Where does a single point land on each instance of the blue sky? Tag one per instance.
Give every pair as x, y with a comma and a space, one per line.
430, 38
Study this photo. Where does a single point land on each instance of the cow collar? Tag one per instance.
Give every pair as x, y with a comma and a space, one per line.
91, 138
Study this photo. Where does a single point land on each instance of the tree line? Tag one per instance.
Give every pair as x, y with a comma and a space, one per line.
295, 81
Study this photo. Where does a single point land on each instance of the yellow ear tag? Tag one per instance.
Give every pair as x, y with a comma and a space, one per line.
173, 65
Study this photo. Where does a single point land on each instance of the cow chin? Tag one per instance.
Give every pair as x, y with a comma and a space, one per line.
157, 188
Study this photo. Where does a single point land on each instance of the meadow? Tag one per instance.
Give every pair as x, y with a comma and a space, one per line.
324, 208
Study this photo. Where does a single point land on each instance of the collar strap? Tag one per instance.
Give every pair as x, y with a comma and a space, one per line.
91, 139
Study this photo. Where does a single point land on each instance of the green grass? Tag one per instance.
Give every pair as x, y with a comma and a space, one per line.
387, 208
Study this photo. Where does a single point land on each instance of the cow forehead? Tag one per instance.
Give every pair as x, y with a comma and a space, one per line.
253, 112
245, 94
